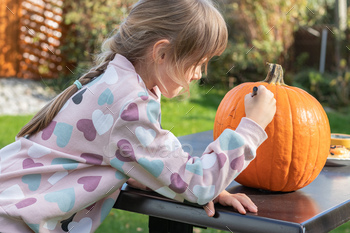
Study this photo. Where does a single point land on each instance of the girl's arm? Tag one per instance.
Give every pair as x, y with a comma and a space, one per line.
239, 201
153, 156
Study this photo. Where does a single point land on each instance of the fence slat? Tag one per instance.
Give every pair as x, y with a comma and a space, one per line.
30, 36
8, 32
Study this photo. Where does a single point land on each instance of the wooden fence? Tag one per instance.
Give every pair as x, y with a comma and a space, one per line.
30, 36
308, 43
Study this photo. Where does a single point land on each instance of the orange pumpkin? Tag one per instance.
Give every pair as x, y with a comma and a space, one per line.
298, 137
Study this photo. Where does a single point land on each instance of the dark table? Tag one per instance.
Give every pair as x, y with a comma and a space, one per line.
319, 207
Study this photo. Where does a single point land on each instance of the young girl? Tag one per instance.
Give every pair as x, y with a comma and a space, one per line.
66, 168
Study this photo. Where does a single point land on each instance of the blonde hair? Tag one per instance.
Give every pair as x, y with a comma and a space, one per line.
195, 29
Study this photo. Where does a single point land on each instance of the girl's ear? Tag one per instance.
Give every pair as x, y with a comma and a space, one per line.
159, 52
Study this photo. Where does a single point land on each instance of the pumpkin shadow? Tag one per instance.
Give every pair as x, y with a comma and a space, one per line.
295, 206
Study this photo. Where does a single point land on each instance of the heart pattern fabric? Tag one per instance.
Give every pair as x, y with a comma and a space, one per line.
78, 98
131, 113
89, 183
102, 122
86, 126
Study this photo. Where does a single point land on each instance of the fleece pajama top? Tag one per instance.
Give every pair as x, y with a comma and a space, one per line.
68, 176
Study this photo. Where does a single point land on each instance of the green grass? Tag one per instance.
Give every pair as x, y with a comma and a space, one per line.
339, 120
10, 126
181, 117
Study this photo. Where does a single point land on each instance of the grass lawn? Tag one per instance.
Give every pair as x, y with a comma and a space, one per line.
181, 117
10, 126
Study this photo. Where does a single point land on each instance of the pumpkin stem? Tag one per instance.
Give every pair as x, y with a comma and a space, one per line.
275, 74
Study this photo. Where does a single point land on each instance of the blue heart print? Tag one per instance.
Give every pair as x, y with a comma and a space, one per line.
34, 227
143, 95
155, 167
32, 180
120, 176
153, 110
63, 131
116, 163
106, 97
166, 191
204, 193
65, 199
230, 140
78, 97
68, 164
195, 167
106, 208
145, 136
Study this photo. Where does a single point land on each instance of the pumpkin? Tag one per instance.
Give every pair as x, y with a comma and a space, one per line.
298, 137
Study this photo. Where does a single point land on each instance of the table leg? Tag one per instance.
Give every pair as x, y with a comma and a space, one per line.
159, 225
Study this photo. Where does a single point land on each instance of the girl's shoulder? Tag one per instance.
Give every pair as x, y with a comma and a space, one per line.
121, 79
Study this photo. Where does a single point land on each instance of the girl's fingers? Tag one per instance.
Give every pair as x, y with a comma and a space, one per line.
247, 202
237, 205
239, 201
210, 209
135, 184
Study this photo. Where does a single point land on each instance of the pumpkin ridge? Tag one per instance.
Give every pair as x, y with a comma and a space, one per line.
292, 145
318, 149
316, 103
285, 181
274, 126
309, 103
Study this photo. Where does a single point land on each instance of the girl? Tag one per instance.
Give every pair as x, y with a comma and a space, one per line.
65, 169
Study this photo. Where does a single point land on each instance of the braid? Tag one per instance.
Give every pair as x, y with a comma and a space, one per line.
94, 72
44, 117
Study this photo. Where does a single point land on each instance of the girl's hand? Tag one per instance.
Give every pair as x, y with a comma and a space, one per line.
239, 201
262, 107
135, 184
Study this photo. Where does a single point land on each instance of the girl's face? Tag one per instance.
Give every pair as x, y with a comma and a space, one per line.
170, 88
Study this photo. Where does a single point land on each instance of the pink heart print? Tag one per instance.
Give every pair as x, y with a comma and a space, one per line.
29, 163
221, 160
131, 113
92, 158
87, 127
48, 131
125, 152
177, 183
89, 183
26, 202
238, 163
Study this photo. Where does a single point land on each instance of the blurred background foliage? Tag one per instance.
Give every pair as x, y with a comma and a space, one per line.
259, 32
86, 24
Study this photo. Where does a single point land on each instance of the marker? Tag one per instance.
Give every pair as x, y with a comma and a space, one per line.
255, 91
